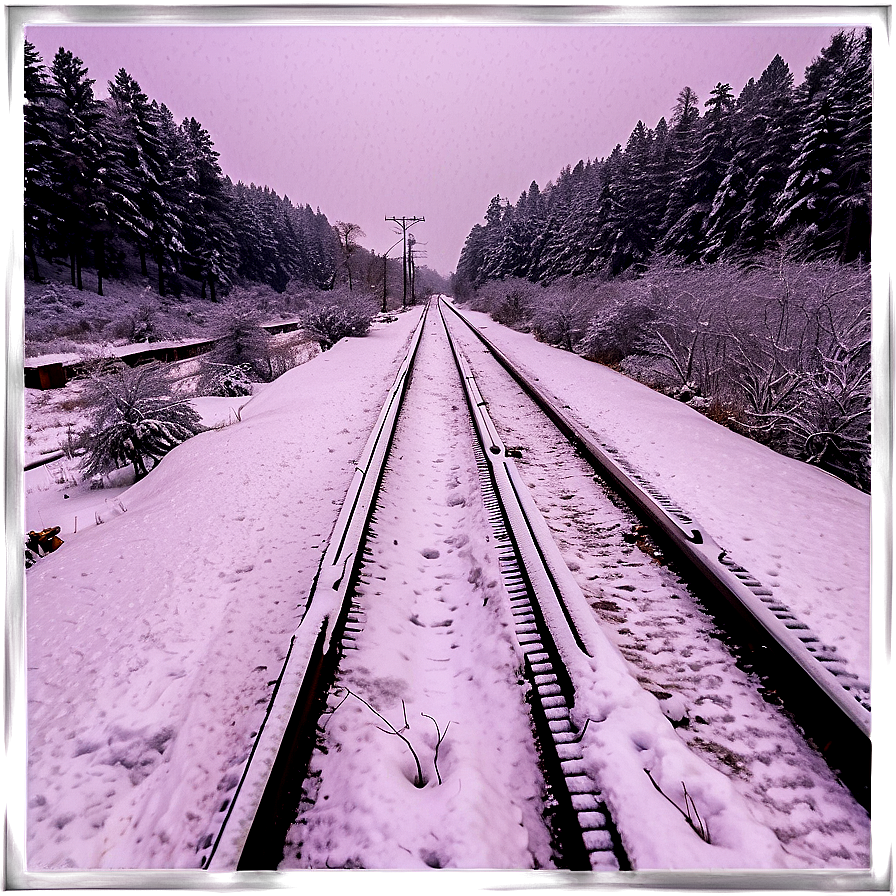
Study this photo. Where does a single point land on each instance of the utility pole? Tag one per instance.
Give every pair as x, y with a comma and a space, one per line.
405, 223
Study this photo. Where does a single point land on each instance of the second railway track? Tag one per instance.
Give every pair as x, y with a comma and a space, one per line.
442, 599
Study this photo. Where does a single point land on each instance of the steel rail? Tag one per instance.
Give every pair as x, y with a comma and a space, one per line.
258, 816
555, 631
813, 673
250, 821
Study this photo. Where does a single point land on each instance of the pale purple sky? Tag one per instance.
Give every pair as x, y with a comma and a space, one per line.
370, 121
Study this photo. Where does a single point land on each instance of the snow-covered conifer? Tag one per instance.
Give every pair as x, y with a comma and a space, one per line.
136, 419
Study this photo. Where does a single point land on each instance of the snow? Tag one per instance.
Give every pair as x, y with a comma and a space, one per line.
155, 636
113, 351
152, 639
796, 528
130, 348
435, 640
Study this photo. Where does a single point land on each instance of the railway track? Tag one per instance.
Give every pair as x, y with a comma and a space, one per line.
808, 676
537, 619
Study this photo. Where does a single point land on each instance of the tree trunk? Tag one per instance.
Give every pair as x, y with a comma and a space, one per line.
78, 269
143, 271
32, 257
139, 467
71, 264
211, 289
160, 264
100, 250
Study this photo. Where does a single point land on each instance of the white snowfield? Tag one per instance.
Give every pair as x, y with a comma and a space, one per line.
154, 639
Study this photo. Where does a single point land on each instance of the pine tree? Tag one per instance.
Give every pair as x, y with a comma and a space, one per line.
469, 266
768, 138
704, 173
805, 207
680, 147
41, 160
139, 126
76, 121
627, 237
658, 180
825, 205
175, 189
211, 249
135, 419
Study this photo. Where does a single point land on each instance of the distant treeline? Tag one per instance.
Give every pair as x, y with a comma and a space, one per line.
778, 164
105, 178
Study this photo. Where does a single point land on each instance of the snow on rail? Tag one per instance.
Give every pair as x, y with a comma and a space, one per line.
820, 662
313, 639
623, 732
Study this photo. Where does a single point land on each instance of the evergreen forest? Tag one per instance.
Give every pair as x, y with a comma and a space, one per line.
777, 163
108, 179
721, 257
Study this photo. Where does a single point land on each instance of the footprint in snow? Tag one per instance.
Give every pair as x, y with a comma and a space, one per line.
430, 553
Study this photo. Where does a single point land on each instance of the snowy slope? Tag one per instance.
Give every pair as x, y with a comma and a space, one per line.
152, 640
796, 528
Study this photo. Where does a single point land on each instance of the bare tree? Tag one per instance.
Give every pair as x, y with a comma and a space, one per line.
241, 352
348, 234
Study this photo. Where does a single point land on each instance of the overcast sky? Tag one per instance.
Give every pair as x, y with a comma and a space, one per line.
374, 121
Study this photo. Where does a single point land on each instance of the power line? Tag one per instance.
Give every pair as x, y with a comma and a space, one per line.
405, 223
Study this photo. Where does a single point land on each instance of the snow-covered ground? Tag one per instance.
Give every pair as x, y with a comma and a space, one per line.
154, 637
673, 648
116, 350
435, 640
795, 527
50, 414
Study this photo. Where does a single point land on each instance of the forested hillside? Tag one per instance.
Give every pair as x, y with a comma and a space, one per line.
777, 162
721, 258
106, 179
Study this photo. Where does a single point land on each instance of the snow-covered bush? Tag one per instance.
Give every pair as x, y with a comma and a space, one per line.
562, 314
225, 380
141, 325
815, 405
778, 350
335, 314
625, 313
510, 301
241, 344
135, 419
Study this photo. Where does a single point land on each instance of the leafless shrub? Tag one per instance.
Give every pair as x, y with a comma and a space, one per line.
334, 314
563, 314
690, 812
241, 345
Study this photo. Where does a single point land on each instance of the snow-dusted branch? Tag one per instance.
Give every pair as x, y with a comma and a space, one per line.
419, 779
690, 813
